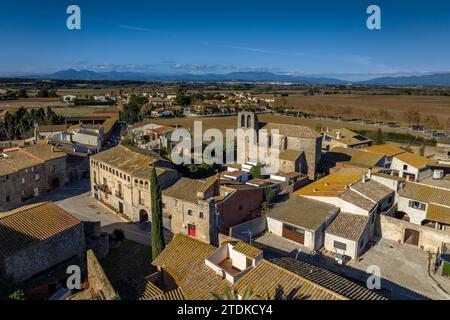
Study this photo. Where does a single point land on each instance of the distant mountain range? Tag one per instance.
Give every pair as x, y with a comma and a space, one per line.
437, 79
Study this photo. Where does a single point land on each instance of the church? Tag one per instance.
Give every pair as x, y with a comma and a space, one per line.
300, 146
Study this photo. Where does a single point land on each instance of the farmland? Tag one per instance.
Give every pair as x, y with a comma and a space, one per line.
367, 106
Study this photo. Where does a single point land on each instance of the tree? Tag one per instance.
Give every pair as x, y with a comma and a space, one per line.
422, 150
231, 294
17, 295
432, 122
22, 93
380, 138
157, 226
412, 117
255, 172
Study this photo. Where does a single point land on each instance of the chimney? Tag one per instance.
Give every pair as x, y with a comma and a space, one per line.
338, 135
364, 179
369, 173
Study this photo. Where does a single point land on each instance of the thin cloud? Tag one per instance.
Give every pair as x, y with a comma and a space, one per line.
257, 50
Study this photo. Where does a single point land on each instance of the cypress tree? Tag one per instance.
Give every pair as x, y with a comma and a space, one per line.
380, 138
157, 226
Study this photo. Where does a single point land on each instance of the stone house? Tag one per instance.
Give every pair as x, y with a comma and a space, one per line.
120, 179
301, 139
27, 172
37, 244
204, 208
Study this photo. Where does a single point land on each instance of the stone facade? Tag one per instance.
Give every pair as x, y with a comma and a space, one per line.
126, 190
27, 175
65, 246
428, 239
196, 219
297, 138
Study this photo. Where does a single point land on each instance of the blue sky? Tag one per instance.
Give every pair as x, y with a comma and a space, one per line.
207, 36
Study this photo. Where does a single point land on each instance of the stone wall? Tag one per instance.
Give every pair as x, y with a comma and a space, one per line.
204, 224
394, 229
99, 287
46, 254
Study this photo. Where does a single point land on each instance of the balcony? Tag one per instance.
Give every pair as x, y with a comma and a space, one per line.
119, 194
104, 188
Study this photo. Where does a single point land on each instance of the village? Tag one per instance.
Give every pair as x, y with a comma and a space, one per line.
340, 205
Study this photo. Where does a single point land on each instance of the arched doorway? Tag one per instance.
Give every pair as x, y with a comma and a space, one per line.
143, 216
411, 237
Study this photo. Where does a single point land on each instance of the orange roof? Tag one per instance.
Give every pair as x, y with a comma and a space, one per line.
386, 149
22, 228
333, 184
414, 160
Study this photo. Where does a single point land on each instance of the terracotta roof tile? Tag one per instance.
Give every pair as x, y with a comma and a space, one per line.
184, 259
20, 229
348, 226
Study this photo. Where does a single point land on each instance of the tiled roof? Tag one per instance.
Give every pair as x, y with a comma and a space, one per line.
187, 189
289, 130
21, 158
414, 160
247, 250
348, 226
290, 155
302, 212
386, 149
51, 128
359, 156
45, 152
328, 279
333, 184
129, 161
389, 176
23, 228
424, 193
184, 259
438, 213
357, 200
175, 294
348, 137
372, 189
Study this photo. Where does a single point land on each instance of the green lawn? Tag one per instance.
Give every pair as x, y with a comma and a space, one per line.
131, 259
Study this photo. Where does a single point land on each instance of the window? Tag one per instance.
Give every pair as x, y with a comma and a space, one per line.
37, 176
23, 180
340, 245
417, 205
8, 199
53, 168
361, 245
201, 215
189, 212
105, 182
405, 167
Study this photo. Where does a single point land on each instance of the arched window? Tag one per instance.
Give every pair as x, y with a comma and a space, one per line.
136, 183
141, 184
242, 121
249, 119
146, 184
269, 140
